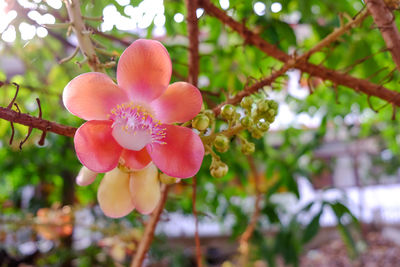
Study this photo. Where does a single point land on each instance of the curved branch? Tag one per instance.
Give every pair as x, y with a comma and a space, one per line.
82, 34
38, 123
314, 70
148, 235
385, 21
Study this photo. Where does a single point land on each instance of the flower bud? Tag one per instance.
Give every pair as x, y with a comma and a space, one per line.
201, 122
257, 134
209, 113
262, 106
263, 126
228, 111
246, 121
166, 179
248, 148
85, 176
246, 102
221, 143
272, 113
220, 170
273, 105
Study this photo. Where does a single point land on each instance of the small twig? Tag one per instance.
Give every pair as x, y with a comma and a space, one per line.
335, 35
370, 104
148, 235
15, 96
93, 18
66, 59
196, 233
12, 133
17, 107
26, 137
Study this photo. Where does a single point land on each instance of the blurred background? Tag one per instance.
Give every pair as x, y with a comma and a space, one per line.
328, 170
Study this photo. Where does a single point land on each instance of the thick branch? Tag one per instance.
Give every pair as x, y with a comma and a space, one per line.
148, 235
82, 34
34, 122
385, 21
314, 70
193, 31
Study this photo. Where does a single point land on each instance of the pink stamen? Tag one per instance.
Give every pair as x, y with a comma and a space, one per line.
134, 119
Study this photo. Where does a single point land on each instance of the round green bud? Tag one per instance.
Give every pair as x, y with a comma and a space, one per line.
246, 102
246, 121
272, 113
274, 105
201, 122
166, 179
262, 106
219, 171
263, 126
228, 111
248, 148
221, 143
270, 118
257, 134
209, 113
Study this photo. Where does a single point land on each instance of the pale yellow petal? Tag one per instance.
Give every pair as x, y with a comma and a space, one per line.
114, 195
145, 189
85, 176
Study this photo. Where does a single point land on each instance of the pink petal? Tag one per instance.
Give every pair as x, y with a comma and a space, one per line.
182, 154
136, 160
179, 103
145, 189
92, 95
144, 70
114, 195
85, 176
95, 146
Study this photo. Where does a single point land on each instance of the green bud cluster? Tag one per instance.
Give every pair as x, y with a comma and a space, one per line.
218, 169
259, 118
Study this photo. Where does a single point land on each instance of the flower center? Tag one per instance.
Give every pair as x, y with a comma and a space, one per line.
134, 127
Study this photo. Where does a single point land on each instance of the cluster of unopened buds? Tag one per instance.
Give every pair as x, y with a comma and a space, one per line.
254, 115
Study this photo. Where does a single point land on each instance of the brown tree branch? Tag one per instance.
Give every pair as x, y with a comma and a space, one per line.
385, 21
38, 123
245, 237
148, 235
83, 34
314, 70
193, 32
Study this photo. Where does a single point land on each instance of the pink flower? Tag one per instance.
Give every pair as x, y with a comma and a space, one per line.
132, 123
